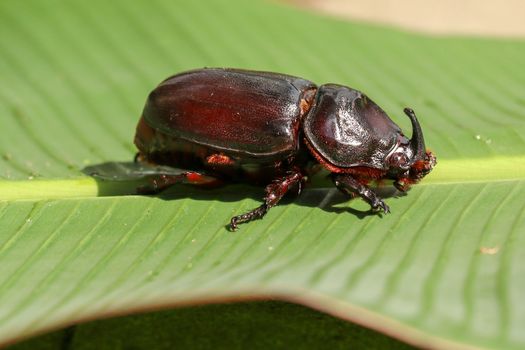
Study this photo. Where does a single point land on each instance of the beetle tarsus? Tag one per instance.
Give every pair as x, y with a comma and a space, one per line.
347, 184
275, 191
257, 213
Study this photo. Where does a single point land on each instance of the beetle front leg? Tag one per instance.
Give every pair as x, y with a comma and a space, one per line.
274, 193
402, 185
347, 184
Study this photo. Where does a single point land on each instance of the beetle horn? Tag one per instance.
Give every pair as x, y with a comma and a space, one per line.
417, 143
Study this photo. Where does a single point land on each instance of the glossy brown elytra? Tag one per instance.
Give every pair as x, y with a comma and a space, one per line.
273, 129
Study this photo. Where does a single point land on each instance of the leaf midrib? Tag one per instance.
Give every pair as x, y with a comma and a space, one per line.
448, 171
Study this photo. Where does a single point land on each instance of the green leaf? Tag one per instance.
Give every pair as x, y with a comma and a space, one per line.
445, 269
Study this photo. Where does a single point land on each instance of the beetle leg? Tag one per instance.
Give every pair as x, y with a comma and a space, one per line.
347, 184
402, 185
274, 193
161, 182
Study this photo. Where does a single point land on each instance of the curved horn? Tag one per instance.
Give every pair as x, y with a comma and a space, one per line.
417, 143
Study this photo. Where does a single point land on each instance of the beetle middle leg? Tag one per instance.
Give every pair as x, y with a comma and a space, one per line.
274, 193
349, 185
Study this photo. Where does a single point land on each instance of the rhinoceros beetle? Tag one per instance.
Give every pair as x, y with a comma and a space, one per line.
275, 130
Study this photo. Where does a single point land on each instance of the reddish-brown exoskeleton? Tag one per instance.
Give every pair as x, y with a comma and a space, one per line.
272, 129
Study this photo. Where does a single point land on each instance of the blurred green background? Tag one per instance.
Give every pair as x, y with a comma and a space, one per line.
90, 66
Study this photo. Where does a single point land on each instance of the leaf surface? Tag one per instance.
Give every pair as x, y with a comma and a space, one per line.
445, 269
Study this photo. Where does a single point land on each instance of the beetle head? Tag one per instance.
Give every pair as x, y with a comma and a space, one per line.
410, 161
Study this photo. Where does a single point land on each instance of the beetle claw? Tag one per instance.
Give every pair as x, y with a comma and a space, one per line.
381, 205
233, 224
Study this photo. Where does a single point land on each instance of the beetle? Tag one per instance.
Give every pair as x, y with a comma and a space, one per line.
224, 124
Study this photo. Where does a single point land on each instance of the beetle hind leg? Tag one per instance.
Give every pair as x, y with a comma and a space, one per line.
161, 182
274, 193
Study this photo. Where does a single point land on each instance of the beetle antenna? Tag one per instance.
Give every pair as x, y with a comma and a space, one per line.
417, 142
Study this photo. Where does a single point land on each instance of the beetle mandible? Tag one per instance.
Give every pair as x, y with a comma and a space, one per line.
275, 129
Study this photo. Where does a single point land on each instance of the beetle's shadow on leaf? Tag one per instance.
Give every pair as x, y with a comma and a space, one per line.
328, 199
334, 201
123, 178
